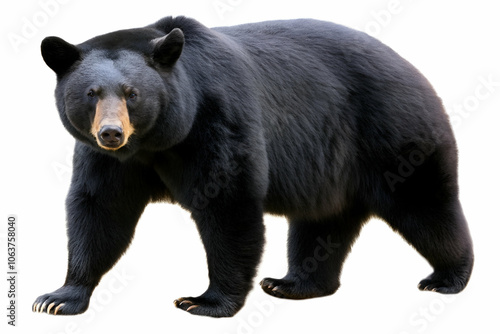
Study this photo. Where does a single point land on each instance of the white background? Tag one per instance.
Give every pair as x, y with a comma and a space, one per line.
454, 43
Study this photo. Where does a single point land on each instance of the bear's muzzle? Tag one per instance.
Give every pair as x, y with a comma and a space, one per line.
111, 125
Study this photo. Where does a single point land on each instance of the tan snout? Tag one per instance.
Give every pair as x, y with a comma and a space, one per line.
111, 125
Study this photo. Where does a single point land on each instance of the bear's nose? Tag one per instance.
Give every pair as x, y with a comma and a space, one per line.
111, 136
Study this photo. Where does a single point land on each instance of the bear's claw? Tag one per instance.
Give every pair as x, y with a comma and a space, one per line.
182, 303
40, 308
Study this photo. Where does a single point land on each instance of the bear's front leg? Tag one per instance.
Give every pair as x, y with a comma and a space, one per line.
233, 236
103, 206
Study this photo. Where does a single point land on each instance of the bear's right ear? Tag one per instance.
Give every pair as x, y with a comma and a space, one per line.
168, 49
58, 54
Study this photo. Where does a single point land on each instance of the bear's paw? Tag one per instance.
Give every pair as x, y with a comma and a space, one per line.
67, 300
218, 307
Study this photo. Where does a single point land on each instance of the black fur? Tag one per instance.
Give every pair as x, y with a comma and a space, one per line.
302, 118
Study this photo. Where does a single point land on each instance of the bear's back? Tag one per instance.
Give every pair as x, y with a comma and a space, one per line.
329, 97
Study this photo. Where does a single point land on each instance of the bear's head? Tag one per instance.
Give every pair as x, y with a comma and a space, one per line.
121, 92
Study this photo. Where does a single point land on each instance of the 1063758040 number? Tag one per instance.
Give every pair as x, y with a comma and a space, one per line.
12, 270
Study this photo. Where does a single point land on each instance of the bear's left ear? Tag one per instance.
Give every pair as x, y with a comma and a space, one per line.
168, 49
59, 55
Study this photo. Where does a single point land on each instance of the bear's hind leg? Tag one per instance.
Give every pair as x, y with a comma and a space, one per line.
442, 237
316, 253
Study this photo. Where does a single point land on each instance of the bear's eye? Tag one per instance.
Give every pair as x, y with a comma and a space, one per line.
91, 94
132, 96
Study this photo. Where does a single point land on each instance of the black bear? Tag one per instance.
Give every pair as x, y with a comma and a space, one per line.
302, 118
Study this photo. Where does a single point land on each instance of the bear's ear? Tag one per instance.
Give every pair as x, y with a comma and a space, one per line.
168, 49
58, 54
